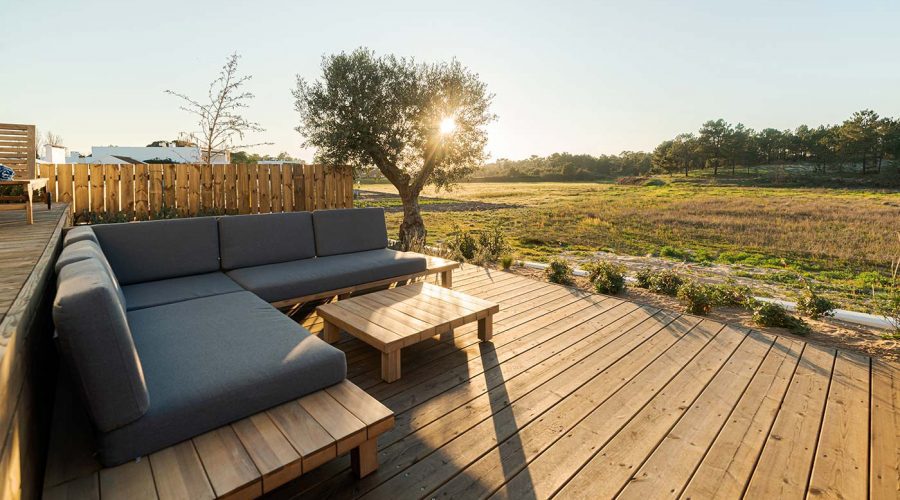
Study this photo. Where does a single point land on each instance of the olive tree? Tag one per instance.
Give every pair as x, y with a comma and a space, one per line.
420, 124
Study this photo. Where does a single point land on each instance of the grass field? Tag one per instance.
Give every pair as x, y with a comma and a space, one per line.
844, 239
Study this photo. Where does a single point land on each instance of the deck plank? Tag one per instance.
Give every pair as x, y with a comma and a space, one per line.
179, 473
129, 481
230, 469
885, 438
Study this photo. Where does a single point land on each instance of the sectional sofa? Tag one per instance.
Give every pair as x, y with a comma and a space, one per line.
167, 326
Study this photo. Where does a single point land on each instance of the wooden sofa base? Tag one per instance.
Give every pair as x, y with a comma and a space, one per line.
435, 265
245, 459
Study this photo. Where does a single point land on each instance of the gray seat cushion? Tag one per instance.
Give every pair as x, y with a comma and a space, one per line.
254, 240
88, 249
215, 360
79, 233
289, 280
156, 250
96, 343
349, 230
157, 293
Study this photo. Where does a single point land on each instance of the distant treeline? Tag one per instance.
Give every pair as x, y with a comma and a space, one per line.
861, 143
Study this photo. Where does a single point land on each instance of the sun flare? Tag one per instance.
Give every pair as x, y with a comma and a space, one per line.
448, 125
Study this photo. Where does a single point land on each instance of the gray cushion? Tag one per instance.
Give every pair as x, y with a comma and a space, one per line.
156, 293
96, 342
83, 250
79, 233
349, 230
288, 280
254, 240
215, 360
156, 250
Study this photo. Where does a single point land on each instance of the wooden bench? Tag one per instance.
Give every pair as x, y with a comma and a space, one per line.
245, 459
435, 265
390, 320
26, 198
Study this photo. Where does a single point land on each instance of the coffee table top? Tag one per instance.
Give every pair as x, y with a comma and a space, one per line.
398, 317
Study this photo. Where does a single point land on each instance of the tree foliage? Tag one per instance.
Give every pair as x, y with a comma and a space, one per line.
388, 111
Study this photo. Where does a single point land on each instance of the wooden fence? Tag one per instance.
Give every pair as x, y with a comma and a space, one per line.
149, 191
17, 148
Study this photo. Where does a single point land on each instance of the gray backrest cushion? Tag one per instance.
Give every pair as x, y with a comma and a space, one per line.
79, 233
255, 240
95, 340
349, 230
155, 250
88, 249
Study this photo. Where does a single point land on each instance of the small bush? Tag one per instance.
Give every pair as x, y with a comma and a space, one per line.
772, 314
672, 253
492, 243
560, 272
462, 244
655, 182
666, 282
696, 298
506, 261
607, 277
729, 294
643, 277
814, 305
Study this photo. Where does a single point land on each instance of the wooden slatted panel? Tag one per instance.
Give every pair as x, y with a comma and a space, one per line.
228, 466
132, 480
299, 188
253, 172
156, 189
48, 171
309, 187
329, 174
169, 173
270, 451
219, 187
321, 202
230, 194
287, 187
243, 189
112, 189
179, 473
206, 188
17, 149
126, 193
141, 196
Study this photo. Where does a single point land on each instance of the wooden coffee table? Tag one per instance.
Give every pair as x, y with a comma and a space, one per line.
392, 319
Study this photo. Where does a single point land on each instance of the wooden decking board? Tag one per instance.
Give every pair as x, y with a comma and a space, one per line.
784, 467
615, 464
885, 431
181, 473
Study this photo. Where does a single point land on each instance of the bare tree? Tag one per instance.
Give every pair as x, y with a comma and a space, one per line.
220, 120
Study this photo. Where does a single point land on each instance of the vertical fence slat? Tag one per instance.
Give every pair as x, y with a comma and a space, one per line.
243, 188
299, 200
64, 191
156, 189
287, 187
96, 183
194, 189
206, 184
231, 189
328, 177
265, 205
275, 194
181, 188
252, 171
320, 187
309, 192
126, 193
141, 196
112, 189
219, 188
82, 188
169, 186
47, 171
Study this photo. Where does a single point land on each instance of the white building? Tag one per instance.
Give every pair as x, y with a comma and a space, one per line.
117, 155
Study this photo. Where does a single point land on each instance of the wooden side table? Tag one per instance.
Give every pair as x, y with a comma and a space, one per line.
389, 320
30, 186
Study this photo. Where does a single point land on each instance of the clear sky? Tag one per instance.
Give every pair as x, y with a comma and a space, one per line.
583, 77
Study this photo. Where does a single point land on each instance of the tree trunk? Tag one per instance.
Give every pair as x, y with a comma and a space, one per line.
412, 229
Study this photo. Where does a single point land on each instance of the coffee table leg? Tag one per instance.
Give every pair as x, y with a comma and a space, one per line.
390, 366
486, 328
447, 279
331, 334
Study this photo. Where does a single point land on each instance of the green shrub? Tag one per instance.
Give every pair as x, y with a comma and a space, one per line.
492, 243
672, 253
607, 277
506, 261
696, 298
462, 244
813, 305
560, 272
666, 282
655, 182
729, 294
772, 314
643, 277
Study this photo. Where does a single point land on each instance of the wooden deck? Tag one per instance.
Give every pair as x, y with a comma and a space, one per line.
588, 396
